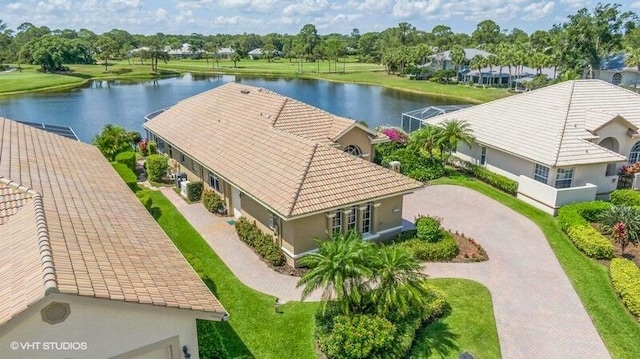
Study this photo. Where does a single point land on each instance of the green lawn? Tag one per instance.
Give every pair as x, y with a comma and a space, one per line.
254, 329
619, 330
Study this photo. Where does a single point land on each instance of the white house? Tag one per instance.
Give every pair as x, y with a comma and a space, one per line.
563, 143
85, 271
614, 70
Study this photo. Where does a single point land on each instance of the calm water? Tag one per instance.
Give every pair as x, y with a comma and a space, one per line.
87, 109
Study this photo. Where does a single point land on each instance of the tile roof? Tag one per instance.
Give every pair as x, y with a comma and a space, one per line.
71, 225
552, 125
276, 149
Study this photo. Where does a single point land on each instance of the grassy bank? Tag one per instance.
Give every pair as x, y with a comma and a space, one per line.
618, 329
255, 330
30, 80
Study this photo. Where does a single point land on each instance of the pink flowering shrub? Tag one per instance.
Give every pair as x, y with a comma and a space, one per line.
396, 135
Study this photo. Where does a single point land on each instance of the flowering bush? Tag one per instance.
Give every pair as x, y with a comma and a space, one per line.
630, 169
142, 147
396, 135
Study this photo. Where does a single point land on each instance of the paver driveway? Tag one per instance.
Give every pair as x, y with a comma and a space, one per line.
537, 311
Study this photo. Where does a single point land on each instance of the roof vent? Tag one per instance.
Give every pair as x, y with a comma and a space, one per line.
245, 91
55, 312
394, 166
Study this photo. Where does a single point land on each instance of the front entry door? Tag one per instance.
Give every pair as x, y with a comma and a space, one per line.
236, 201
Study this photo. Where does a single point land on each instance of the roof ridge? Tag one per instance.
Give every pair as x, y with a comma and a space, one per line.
49, 279
17, 186
277, 116
304, 177
566, 120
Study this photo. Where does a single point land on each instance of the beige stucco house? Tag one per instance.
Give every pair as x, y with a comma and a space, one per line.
297, 171
85, 271
563, 143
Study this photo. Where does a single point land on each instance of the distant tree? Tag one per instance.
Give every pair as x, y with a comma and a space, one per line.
333, 47
106, 48
308, 39
458, 57
268, 50
487, 32
633, 58
478, 62
491, 60
443, 36
517, 35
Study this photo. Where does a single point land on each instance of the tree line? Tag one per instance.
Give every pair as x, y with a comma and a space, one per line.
574, 46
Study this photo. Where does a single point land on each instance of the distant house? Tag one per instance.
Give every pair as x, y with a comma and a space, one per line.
225, 52
442, 60
296, 171
183, 52
614, 70
563, 143
83, 264
256, 54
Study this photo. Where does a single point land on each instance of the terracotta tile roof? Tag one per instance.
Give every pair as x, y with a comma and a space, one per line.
552, 125
74, 227
260, 142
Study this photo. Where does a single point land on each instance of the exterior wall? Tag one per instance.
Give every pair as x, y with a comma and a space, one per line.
254, 211
629, 78
388, 216
108, 328
360, 138
497, 161
549, 199
594, 174
618, 131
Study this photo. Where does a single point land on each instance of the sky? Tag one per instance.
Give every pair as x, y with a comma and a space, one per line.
288, 16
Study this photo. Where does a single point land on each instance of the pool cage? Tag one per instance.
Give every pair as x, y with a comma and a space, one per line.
414, 120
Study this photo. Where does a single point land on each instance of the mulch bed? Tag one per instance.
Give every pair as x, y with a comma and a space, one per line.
632, 252
468, 250
288, 270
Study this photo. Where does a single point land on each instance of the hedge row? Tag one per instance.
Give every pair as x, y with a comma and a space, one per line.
157, 167
212, 201
210, 345
128, 158
262, 243
626, 197
441, 251
574, 220
127, 175
625, 276
498, 181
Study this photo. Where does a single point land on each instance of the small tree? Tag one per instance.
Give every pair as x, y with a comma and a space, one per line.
112, 140
157, 167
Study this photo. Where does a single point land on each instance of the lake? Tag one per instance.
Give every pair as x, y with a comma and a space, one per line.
88, 109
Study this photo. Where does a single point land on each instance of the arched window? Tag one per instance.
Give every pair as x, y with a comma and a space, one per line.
353, 150
617, 79
634, 155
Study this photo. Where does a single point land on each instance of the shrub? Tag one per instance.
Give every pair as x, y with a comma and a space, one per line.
498, 181
157, 167
127, 158
212, 201
194, 191
143, 147
152, 148
440, 251
112, 140
144, 196
127, 175
428, 229
574, 220
262, 243
210, 345
625, 276
396, 135
625, 197
358, 336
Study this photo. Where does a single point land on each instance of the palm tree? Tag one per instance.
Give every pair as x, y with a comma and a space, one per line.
633, 58
478, 62
426, 138
458, 57
400, 283
452, 132
341, 267
491, 60
623, 223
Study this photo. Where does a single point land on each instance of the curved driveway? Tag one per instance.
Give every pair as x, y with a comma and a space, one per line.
537, 311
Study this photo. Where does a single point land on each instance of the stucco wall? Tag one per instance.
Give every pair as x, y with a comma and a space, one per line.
594, 174
109, 328
497, 161
618, 131
389, 215
628, 77
358, 137
254, 211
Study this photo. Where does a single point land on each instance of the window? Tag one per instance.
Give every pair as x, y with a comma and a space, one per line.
564, 176
634, 155
353, 150
336, 222
196, 167
483, 156
352, 219
616, 79
161, 145
541, 173
366, 219
272, 220
214, 182
181, 158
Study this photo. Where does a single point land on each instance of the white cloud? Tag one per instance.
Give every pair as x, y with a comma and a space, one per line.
404, 9
636, 5
370, 5
538, 10
330, 21
574, 4
120, 5
305, 7
161, 14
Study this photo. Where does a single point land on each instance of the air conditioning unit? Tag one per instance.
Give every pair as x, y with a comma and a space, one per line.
394, 166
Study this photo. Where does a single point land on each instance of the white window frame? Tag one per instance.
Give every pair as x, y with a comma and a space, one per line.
616, 79
353, 150
272, 221
214, 182
541, 173
352, 219
483, 156
564, 177
634, 154
366, 219
336, 222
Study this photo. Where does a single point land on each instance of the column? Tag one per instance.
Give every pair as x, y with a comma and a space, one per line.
374, 217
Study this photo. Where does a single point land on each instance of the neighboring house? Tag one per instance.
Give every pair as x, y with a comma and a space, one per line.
563, 143
295, 170
225, 52
257, 54
83, 265
183, 52
614, 70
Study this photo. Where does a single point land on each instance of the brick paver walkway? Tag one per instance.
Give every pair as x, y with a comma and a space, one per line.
537, 311
242, 261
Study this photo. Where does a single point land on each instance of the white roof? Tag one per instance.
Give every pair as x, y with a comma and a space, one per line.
554, 125
468, 53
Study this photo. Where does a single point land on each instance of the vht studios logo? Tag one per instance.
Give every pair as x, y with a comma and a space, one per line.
61, 346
